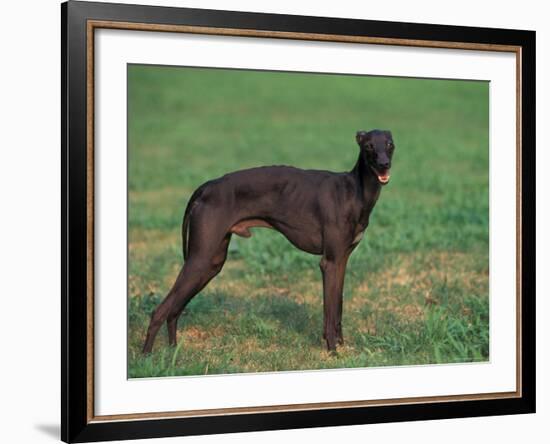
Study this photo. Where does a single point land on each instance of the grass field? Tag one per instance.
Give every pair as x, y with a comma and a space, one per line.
416, 288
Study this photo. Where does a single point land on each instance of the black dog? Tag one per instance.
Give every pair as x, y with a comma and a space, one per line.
320, 212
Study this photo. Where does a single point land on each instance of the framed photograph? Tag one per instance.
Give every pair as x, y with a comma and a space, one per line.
275, 221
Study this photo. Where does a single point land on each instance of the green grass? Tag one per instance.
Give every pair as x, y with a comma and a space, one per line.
416, 287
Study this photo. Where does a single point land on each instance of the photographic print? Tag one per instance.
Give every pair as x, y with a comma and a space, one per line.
276, 222
282, 221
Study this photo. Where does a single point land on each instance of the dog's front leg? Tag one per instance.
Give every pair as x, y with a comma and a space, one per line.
333, 271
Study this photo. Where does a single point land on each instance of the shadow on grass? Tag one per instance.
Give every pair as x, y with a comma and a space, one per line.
266, 317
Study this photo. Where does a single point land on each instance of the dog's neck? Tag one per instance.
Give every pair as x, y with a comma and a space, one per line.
367, 183
365, 177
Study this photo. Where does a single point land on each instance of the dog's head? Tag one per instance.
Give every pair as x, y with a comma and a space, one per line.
377, 150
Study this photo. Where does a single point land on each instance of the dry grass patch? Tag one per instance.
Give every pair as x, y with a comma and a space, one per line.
165, 194
149, 243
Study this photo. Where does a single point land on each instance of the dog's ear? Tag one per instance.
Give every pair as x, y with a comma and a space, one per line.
361, 137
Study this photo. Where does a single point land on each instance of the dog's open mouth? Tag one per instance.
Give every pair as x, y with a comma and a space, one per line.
383, 177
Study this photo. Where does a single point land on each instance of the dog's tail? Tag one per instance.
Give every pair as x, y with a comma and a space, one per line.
185, 224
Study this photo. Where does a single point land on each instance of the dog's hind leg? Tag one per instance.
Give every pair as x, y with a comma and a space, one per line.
205, 260
203, 274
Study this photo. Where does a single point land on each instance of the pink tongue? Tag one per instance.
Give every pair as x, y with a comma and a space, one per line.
384, 178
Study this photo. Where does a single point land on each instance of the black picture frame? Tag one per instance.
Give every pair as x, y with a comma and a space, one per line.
76, 423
